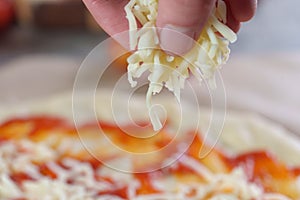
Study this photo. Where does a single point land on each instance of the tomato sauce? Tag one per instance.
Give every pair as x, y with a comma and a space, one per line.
19, 177
260, 166
145, 180
46, 171
121, 192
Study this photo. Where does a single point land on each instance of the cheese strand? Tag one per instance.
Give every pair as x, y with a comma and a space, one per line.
202, 61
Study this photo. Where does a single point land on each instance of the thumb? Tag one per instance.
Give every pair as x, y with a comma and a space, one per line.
181, 22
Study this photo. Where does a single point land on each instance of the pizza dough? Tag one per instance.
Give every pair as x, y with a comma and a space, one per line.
242, 132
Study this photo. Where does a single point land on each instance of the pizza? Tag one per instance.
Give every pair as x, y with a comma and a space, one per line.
46, 156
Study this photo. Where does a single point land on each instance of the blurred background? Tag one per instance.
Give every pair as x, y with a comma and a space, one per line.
65, 27
43, 42
61, 27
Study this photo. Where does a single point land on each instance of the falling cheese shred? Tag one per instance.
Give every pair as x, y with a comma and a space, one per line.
202, 61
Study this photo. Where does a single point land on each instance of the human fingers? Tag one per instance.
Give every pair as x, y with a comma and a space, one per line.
181, 22
243, 10
110, 15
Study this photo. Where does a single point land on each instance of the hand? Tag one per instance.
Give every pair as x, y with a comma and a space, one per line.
186, 16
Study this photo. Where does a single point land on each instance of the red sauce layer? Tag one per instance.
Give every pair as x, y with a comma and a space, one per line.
261, 167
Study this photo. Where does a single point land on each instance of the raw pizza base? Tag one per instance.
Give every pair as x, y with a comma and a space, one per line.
241, 132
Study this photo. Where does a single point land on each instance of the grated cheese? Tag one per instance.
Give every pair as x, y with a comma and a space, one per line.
84, 185
220, 184
167, 71
273, 196
8, 189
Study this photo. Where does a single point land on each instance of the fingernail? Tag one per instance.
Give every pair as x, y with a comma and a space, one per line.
176, 40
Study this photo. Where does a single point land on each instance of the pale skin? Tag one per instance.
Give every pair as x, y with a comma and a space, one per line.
191, 15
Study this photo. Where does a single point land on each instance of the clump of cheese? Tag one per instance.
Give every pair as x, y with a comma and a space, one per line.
202, 61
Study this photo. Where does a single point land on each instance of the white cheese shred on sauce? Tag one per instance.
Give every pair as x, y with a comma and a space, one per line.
85, 186
202, 61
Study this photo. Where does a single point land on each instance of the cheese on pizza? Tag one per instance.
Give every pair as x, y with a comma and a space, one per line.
43, 158
168, 71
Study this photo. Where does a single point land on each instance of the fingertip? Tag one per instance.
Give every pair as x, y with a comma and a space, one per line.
184, 13
232, 22
110, 15
234, 26
176, 40
181, 22
243, 11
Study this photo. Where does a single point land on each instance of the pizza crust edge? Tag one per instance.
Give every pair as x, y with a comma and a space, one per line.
242, 131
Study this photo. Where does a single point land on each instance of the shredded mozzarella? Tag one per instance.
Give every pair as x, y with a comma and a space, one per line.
8, 189
274, 196
84, 185
20, 156
219, 184
197, 167
202, 61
